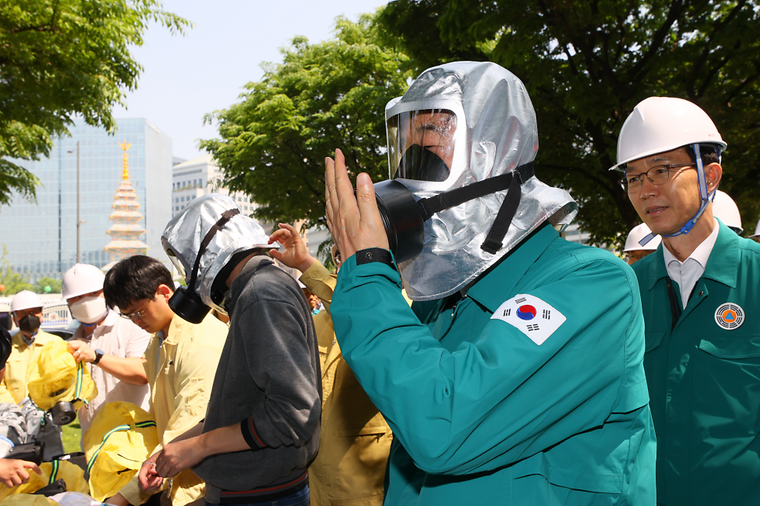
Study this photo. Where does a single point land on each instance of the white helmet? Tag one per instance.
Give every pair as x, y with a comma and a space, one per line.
82, 279
757, 230
25, 300
636, 234
726, 210
660, 124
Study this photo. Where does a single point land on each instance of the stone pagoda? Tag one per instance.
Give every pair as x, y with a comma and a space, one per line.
126, 232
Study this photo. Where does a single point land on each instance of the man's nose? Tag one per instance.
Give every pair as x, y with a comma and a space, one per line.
647, 187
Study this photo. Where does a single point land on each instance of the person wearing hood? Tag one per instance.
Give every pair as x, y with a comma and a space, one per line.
516, 378
26, 309
112, 346
180, 362
700, 294
261, 429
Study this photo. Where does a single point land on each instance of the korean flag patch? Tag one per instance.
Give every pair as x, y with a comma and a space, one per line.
532, 316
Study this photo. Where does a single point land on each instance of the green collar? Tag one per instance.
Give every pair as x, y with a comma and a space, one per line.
722, 265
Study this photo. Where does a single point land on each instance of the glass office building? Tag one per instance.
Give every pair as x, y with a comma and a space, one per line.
41, 238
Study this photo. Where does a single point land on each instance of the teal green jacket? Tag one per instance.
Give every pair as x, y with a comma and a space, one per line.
704, 376
483, 414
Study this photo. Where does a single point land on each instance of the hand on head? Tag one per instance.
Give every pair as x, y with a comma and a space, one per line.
296, 254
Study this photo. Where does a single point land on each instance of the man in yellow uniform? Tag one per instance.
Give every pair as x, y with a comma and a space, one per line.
27, 343
180, 362
13, 472
355, 440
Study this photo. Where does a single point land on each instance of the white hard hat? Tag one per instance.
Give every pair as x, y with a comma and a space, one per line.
25, 300
660, 124
757, 230
636, 234
726, 210
82, 279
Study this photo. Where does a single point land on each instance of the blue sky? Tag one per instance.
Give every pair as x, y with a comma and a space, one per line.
185, 77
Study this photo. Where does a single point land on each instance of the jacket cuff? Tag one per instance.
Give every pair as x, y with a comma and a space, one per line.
250, 435
369, 255
133, 493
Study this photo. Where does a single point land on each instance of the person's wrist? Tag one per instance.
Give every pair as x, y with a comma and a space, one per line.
97, 356
304, 266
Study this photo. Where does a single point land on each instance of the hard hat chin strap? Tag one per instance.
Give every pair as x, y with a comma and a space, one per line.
706, 198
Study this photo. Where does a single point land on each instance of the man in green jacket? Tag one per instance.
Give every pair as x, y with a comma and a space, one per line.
700, 294
516, 378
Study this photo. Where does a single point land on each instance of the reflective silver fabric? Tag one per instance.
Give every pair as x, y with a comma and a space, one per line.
500, 135
183, 236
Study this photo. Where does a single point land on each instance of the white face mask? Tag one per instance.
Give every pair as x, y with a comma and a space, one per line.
89, 309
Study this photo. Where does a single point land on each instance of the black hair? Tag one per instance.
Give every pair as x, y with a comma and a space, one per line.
708, 152
5, 346
135, 278
219, 286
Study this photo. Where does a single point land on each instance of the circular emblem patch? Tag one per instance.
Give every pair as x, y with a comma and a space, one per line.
729, 316
526, 312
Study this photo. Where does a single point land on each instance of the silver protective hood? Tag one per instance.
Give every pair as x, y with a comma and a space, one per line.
500, 135
183, 236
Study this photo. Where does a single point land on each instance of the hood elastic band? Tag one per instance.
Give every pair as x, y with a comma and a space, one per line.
226, 216
500, 227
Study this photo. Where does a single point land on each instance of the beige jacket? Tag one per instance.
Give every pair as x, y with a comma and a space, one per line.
180, 372
355, 439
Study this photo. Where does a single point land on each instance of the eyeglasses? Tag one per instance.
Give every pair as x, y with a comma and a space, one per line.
135, 314
657, 175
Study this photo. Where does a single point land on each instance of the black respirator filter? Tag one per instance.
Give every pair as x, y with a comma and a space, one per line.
188, 306
402, 219
63, 413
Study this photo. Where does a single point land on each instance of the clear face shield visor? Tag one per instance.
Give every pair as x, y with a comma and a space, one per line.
422, 144
177, 263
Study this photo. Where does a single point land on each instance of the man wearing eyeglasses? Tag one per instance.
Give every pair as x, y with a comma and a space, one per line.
180, 364
700, 293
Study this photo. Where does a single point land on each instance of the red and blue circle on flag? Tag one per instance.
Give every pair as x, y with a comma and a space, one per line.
526, 312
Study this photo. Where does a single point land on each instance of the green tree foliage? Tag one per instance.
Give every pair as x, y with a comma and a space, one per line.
48, 285
587, 64
10, 279
273, 143
60, 58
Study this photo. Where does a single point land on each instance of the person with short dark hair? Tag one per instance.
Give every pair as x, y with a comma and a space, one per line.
136, 278
180, 363
699, 294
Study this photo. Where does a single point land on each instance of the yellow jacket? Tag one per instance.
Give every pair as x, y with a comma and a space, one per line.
355, 439
180, 372
13, 387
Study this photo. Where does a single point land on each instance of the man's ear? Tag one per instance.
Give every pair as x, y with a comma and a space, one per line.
713, 175
164, 292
